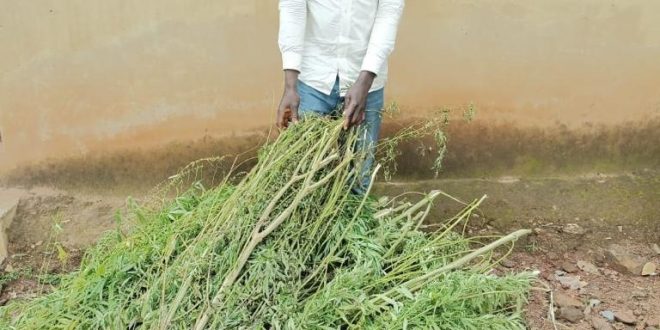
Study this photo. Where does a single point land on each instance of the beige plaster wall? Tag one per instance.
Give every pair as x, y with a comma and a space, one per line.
92, 75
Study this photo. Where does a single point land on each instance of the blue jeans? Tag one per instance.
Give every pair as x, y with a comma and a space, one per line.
313, 102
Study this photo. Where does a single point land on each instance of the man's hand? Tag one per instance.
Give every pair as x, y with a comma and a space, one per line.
288, 109
355, 101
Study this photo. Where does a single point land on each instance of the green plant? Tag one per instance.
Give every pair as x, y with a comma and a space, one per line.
287, 247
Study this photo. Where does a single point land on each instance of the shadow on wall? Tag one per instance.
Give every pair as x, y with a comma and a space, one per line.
475, 149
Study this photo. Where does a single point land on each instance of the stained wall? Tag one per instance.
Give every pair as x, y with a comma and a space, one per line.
92, 76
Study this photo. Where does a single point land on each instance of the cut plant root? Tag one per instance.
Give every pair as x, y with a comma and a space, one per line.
289, 246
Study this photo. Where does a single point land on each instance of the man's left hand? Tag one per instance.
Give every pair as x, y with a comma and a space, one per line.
355, 100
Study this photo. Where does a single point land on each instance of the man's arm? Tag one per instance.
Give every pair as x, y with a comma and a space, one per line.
293, 16
383, 35
381, 45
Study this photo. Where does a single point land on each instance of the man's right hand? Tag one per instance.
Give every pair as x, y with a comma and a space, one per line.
288, 109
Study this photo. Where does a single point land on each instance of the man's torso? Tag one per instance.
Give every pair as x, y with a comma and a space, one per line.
336, 40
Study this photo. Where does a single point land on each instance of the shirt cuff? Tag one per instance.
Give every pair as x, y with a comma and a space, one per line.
291, 61
372, 64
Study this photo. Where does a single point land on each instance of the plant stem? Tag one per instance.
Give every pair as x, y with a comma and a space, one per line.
416, 283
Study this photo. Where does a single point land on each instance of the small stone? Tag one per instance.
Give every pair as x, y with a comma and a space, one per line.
608, 315
593, 303
588, 267
625, 316
570, 282
638, 312
623, 261
508, 263
649, 269
571, 314
656, 248
640, 295
564, 300
600, 324
547, 276
610, 272
569, 267
573, 228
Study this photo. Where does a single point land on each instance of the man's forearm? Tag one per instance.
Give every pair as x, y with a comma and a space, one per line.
366, 78
290, 79
288, 110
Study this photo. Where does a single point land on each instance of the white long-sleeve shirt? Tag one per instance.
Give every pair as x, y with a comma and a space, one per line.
323, 39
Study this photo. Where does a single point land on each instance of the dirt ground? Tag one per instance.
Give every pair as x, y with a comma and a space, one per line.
593, 234
48, 234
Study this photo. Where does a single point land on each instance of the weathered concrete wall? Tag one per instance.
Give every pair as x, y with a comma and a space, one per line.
92, 75
9, 199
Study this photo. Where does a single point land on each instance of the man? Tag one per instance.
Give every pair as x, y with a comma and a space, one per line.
334, 55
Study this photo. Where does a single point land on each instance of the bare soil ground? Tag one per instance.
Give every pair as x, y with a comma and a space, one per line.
579, 222
587, 229
48, 235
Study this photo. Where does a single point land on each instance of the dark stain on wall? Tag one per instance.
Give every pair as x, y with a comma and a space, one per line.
140, 170
481, 149
475, 149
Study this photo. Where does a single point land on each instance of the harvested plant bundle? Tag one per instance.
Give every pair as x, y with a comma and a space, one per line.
288, 247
